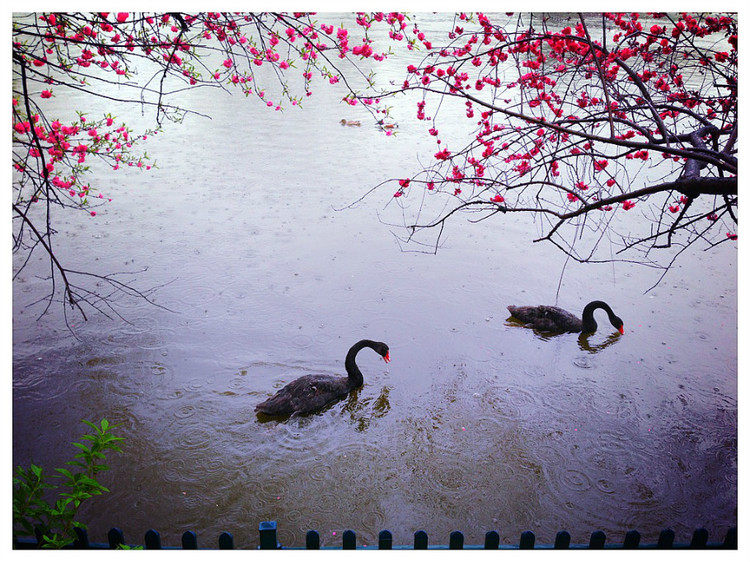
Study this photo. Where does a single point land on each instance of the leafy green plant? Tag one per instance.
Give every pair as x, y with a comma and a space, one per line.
47, 509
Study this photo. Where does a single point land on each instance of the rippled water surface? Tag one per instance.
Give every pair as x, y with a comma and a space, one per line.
476, 424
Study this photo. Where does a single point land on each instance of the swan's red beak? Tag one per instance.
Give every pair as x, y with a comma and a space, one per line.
387, 357
622, 329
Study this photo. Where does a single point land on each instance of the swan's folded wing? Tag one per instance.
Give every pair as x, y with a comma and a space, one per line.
307, 394
546, 318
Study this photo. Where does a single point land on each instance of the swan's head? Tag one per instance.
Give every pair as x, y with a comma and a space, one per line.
617, 323
382, 350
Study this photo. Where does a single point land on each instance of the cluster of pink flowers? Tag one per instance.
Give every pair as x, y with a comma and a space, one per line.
68, 146
547, 62
403, 184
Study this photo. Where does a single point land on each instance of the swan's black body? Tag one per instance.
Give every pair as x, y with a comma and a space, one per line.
312, 392
554, 319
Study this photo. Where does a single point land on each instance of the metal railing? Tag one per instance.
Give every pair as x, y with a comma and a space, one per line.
268, 540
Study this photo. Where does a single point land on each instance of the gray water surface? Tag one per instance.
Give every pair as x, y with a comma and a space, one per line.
266, 274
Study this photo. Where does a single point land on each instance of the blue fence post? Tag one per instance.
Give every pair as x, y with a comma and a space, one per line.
456, 541
420, 540
153, 540
82, 538
189, 540
349, 540
632, 539
598, 538
562, 540
385, 540
527, 540
267, 532
226, 541
700, 538
115, 537
730, 540
666, 539
491, 540
312, 540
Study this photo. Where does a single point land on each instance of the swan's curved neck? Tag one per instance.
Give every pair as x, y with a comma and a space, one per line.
355, 375
589, 324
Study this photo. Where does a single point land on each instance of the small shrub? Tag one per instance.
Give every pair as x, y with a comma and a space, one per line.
42, 506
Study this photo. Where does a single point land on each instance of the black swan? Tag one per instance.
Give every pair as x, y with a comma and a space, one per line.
311, 392
554, 319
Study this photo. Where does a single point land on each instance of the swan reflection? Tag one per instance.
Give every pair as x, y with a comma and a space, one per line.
362, 412
585, 345
584, 342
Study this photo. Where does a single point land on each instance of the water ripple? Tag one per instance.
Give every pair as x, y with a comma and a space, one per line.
194, 438
605, 486
574, 480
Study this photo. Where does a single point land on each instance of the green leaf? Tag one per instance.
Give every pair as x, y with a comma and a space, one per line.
65, 472
82, 446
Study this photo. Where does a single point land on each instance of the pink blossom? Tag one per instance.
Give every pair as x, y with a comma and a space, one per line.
362, 50
599, 165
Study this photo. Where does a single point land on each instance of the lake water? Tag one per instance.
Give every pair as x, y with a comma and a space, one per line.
265, 273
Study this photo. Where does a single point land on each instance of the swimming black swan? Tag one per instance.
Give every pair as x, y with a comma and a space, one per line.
311, 392
554, 319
